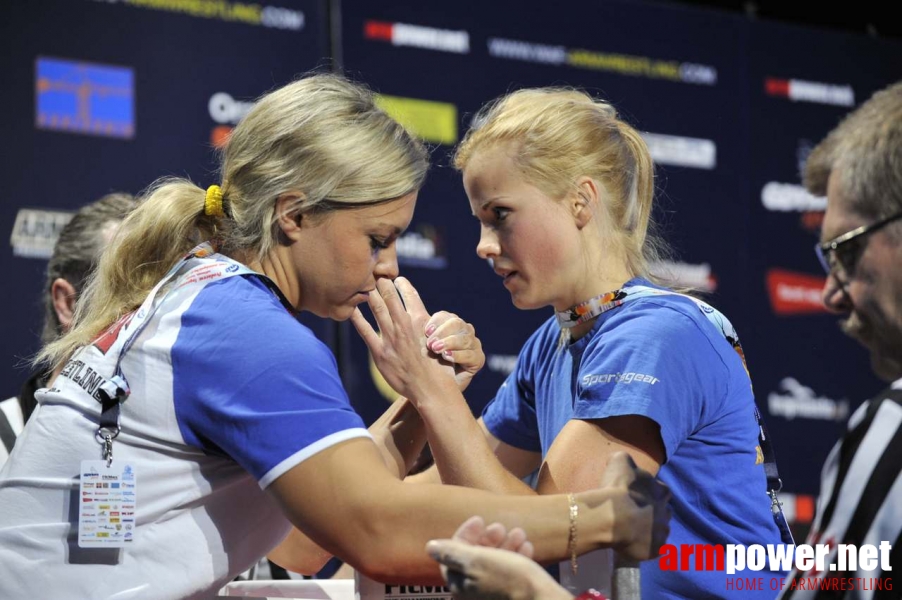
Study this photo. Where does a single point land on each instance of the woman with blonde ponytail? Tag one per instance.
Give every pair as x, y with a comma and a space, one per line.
194, 425
563, 192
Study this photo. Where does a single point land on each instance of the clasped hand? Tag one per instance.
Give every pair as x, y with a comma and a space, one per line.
416, 351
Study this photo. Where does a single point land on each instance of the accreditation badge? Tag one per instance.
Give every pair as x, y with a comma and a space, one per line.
107, 504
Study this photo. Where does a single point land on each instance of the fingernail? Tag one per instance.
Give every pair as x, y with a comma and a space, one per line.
431, 329
438, 345
446, 354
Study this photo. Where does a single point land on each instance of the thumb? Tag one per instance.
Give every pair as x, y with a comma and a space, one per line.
454, 555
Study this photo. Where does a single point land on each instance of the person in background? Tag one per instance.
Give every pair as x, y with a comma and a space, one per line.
75, 254
858, 166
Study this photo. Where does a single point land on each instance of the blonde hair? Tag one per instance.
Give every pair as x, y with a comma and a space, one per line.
555, 136
320, 139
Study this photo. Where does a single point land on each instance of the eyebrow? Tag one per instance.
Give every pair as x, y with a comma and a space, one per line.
486, 204
395, 231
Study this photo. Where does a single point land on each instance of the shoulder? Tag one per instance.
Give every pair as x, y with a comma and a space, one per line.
242, 320
659, 318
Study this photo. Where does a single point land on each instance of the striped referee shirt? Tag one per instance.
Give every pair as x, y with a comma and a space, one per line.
860, 502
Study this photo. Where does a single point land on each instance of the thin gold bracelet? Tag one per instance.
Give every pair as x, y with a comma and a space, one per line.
571, 542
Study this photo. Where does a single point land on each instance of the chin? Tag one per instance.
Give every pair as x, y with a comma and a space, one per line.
524, 303
341, 313
886, 363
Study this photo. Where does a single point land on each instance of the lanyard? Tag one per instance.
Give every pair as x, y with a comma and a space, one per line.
601, 304
202, 264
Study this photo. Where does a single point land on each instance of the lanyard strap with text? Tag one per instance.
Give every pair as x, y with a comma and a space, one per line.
191, 269
617, 298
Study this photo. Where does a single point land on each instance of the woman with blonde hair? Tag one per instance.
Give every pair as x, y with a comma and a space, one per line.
563, 189
194, 420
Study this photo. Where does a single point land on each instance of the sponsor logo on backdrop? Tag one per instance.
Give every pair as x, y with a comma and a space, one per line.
799, 90
247, 13
795, 293
83, 97
227, 111
798, 508
623, 64
680, 151
429, 120
793, 400
35, 231
417, 36
501, 363
790, 197
422, 247
793, 197
680, 274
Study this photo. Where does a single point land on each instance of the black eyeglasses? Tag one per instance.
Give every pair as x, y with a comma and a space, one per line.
840, 254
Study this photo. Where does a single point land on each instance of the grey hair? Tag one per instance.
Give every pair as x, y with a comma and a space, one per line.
77, 251
865, 151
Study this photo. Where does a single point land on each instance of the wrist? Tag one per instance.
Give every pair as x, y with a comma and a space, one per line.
597, 521
436, 394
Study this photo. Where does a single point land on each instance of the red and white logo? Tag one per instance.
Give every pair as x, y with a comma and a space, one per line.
795, 293
227, 111
416, 36
799, 90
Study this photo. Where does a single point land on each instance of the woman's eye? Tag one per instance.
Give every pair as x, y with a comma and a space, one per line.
377, 244
500, 213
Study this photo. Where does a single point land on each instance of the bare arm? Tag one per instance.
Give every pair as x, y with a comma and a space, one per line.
580, 453
514, 460
463, 448
350, 504
399, 433
399, 437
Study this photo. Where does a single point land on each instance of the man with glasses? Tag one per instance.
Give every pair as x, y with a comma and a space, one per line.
859, 168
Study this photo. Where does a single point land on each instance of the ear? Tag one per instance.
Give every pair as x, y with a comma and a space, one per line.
288, 217
62, 294
584, 201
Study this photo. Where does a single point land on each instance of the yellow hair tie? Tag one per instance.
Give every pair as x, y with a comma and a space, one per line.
213, 202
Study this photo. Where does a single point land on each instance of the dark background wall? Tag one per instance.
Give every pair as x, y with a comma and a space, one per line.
107, 95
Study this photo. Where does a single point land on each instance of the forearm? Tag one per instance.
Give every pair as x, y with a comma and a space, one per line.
461, 452
400, 435
347, 502
389, 542
300, 554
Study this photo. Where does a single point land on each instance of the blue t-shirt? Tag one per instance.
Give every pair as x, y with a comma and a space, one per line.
228, 393
252, 383
659, 357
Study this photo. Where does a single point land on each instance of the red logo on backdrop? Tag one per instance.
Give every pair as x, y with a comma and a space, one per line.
378, 30
795, 293
219, 136
777, 87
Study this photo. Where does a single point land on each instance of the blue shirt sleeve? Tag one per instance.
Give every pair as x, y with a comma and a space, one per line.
656, 361
251, 382
511, 415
